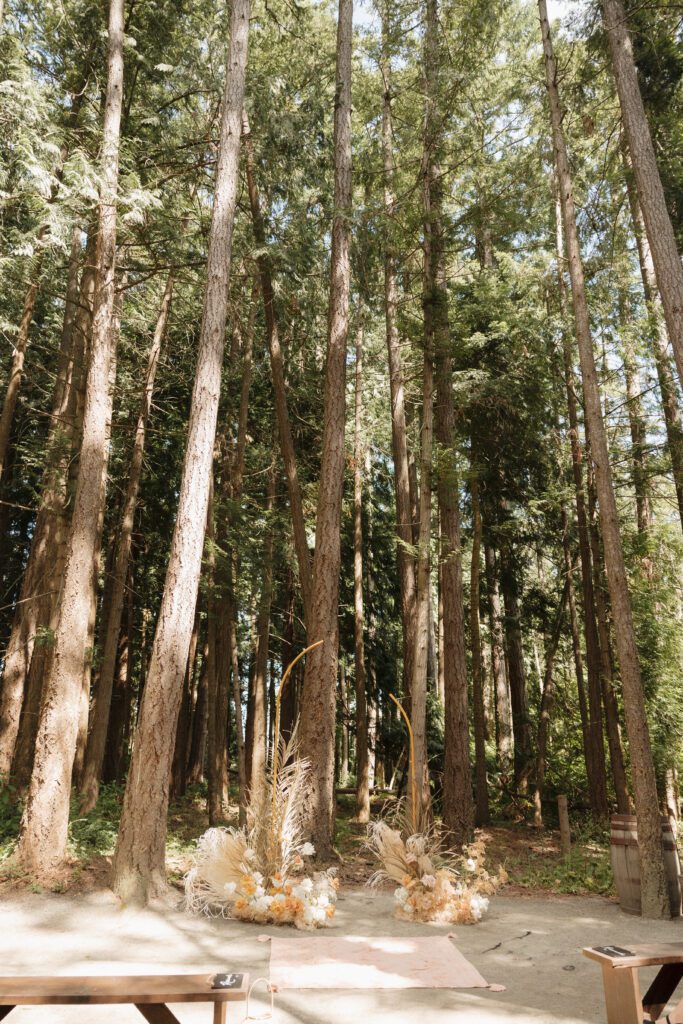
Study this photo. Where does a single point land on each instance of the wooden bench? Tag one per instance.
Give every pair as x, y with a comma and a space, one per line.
620, 979
148, 993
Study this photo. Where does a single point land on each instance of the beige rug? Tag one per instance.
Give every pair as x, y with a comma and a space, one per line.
356, 961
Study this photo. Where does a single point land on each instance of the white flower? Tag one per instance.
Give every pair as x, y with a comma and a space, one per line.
258, 877
323, 900
471, 864
307, 850
229, 888
249, 853
277, 883
429, 881
401, 895
258, 892
263, 903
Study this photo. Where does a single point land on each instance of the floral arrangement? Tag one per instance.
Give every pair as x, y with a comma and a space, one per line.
257, 873
434, 886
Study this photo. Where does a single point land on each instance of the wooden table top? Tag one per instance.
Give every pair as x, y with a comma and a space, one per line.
131, 988
642, 954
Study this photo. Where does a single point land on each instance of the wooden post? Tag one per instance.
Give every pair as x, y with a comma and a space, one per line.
565, 835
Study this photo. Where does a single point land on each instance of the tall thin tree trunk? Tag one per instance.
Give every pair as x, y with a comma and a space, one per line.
404, 513
519, 698
660, 233
595, 759
482, 815
547, 700
362, 751
504, 734
16, 372
139, 857
636, 419
320, 681
660, 344
33, 606
278, 374
89, 786
653, 884
43, 835
260, 735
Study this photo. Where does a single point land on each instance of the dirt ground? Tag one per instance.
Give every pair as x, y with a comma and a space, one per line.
529, 944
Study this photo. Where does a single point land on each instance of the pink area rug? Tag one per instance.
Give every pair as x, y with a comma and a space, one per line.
355, 961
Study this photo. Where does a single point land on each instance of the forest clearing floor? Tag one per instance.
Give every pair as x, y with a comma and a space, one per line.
530, 945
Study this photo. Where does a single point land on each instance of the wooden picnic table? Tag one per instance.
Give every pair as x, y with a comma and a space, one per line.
149, 993
620, 968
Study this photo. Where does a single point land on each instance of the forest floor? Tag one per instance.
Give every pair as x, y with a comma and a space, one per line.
531, 857
529, 941
531, 945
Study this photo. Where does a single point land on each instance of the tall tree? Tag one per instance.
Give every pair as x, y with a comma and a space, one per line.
320, 681
43, 836
89, 783
139, 861
658, 225
362, 738
653, 886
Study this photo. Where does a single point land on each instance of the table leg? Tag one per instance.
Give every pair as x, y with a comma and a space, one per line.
220, 1013
157, 1013
662, 989
622, 995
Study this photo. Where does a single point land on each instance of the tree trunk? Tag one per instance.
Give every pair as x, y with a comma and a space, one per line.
89, 786
595, 755
653, 884
636, 419
200, 720
113, 768
482, 815
547, 700
504, 734
320, 680
660, 344
16, 372
609, 699
404, 513
42, 840
139, 857
35, 597
660, 233
278, 374
362, 751
260, 736
519, 699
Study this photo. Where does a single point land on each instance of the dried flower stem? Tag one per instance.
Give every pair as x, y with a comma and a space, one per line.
413, 787
276, 730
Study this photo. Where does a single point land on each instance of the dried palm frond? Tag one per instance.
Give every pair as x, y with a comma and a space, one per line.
220, 865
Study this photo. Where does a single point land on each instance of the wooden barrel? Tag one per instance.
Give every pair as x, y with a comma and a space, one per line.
626, 863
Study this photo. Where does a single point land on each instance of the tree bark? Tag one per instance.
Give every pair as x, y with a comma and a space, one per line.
660, 233
16, 372
504, 734
660, 343
43, 835
278, 374
547, 700
482, 815
653, 884
139, 857
35, 597
320, 681
362, 752
595, 756
519, 698
404, 513
89, 786
260, 736
636, 419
